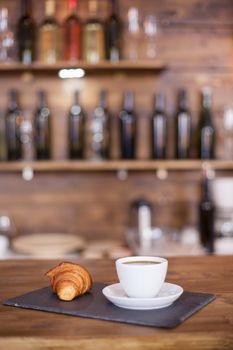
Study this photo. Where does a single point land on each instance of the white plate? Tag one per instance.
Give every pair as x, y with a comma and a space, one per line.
167, 295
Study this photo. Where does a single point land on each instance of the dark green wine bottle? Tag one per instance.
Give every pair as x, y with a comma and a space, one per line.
13, 120
206, 216
128, 127
112, 34
42, 128
100, 129
206, 130
26, 34
183, 127
76, 129
159, 128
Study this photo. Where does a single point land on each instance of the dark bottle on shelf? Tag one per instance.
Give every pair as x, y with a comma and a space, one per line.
72, 34
3, 149
159, 128
76, 129
42, 128
183, 127
13, 120
26, 34
128, 127
206, 130
206, 216
100, 129
113, 34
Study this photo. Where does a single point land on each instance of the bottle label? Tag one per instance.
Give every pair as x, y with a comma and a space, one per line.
183, 131
49, 45
159, 129
42, 132
72, 43
207, 140
27, 56
94, 43
100, 134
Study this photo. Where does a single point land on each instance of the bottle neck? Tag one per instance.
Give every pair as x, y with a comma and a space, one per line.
25, 8
206, 194
128, 101
76, 98
183, 100
73, 6
93, 8
41, 99
207, 102
13, 100
159, 103
49, 8
114, 8
103, 99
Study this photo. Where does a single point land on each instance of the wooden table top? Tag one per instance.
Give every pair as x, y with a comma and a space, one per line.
210, 328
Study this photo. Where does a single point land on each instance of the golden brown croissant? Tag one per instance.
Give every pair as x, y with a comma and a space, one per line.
69, 280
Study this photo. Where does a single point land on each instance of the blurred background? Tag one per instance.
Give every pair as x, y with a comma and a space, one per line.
116, 128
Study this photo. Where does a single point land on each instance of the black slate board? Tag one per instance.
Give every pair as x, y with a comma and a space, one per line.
95, 305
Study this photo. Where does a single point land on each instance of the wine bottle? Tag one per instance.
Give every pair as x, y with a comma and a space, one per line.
206, 216
113, 34
183, 127
93, 36
128, 127
13, 120
76, 129
206, 130
100, 129
42, 128
159, 128
3, 148
49, 35
26, 34
72, 34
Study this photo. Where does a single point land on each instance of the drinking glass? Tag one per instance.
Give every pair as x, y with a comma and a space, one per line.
132, 35
228, 132
150, 29
6, 37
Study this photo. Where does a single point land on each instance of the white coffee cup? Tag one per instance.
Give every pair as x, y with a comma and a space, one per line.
141, 276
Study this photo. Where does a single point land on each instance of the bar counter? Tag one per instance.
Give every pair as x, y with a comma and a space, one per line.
210, 328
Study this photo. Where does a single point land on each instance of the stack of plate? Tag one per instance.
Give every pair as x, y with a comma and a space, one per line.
47, 245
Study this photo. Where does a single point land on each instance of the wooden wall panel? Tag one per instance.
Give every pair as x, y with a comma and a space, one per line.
196, 42
89, 203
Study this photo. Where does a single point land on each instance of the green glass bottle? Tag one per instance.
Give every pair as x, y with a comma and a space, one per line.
159, 128
42, 128
13, 121
206, 129
76, 129
183, 127
128, 127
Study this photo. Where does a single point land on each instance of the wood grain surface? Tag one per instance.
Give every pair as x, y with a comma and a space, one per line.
209, 329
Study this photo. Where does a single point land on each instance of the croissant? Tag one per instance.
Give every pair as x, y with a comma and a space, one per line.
69, 280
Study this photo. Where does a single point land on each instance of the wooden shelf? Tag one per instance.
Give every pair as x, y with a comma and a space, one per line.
124, 65
115, 165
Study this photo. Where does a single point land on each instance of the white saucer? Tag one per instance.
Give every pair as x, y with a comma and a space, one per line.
167, 295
